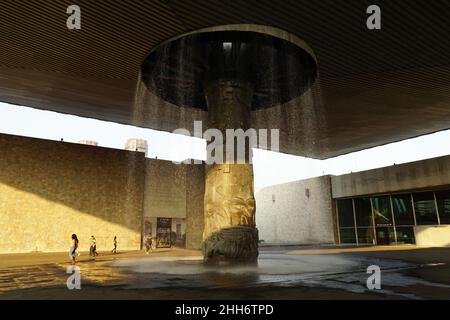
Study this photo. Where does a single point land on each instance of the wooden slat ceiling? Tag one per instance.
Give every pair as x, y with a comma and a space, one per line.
364, 74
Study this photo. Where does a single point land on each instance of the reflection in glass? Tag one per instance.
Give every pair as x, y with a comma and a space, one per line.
425, 208
405, 235
363, 212
347, 235
403, 211
366, 236
382, 211
443, 203
385, 235
345, 213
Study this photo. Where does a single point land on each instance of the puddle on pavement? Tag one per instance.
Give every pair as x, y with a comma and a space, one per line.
341, 272
274, 269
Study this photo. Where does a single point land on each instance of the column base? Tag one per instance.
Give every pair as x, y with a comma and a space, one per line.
238, 244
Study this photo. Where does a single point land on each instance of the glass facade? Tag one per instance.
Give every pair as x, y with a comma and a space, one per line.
403, 209
443, 205
381, 207
366, 236
425, 208
405, 235
346, 221
347, 235
385, 235
363, 212
390, 219
346, 217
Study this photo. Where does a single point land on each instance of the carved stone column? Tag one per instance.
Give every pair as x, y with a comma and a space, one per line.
230, 233
231, 73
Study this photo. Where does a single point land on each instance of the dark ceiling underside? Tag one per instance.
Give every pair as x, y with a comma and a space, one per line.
376, 86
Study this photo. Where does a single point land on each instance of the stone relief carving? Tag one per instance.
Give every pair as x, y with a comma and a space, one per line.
230, 213
229, 199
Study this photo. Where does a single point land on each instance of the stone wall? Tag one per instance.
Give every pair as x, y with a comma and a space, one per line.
297, 212
414, 175
49, 190
195, 192
165, 189
176, 191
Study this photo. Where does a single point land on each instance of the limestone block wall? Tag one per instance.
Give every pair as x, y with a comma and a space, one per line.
49, 190
176, 191
165, 189
299, 212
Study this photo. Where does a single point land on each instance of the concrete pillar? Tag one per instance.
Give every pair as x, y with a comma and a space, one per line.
195, 192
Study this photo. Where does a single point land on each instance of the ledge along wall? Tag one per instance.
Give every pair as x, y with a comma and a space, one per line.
408, 176
51, 189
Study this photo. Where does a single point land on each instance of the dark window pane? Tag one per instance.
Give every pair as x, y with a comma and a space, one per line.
405, 235
347, 235
385, 235
425, 208
363, 212
443, 202
403, 211
382, 211
365, 235
345, 212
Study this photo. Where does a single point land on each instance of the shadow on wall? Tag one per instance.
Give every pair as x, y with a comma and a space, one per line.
49, 190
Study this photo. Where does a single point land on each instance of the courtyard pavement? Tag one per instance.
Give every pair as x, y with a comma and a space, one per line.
291, 272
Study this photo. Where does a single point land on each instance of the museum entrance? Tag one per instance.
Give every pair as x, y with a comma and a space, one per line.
163, 233
385, 235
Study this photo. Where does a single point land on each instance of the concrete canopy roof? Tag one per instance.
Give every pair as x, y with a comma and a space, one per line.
375, 87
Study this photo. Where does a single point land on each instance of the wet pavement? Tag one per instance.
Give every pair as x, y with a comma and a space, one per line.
343, 273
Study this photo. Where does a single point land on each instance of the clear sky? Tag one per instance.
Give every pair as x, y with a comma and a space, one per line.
269, 167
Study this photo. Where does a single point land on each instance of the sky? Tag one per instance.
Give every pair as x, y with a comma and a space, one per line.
270, 168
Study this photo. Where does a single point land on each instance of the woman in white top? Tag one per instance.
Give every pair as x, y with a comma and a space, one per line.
73, 248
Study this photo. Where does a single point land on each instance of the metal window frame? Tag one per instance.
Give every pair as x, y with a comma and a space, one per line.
373, 222
437, 209
338, 225
435, 206
414, 209
354, 222
394, 223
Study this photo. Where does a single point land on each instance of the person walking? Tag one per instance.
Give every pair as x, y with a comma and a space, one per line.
93, 248
73, 248
148, 244
114, 250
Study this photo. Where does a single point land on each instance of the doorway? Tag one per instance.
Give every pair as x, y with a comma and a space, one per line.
385, 235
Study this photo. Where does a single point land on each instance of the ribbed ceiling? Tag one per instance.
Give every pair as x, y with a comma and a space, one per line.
114, 38
117, 35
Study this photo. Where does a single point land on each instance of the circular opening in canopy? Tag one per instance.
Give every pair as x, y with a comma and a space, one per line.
278, 70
